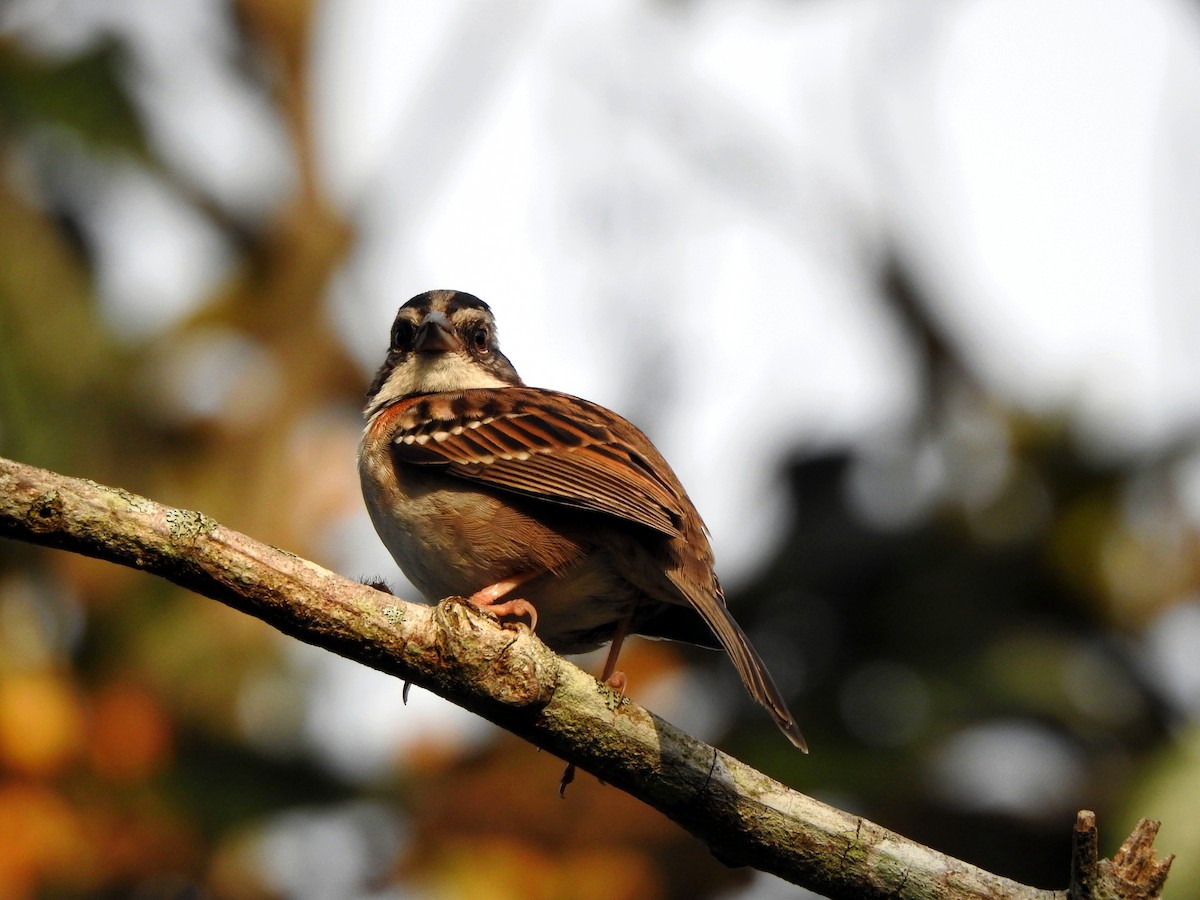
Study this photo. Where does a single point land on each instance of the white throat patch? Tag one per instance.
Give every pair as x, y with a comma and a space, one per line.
425, 373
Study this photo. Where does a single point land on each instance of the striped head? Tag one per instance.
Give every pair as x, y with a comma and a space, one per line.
440, 341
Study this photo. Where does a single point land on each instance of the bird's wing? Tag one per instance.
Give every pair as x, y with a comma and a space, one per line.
544, 445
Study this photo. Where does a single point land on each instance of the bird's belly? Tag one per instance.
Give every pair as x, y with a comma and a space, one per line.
435, 538
453, 540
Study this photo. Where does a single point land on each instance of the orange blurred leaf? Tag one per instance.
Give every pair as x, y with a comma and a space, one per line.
130, 735
39, 835
41, 723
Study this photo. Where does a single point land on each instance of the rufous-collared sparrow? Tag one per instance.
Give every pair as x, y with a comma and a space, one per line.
530, 502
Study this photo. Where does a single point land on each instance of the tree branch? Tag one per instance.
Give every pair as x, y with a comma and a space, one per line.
514, 680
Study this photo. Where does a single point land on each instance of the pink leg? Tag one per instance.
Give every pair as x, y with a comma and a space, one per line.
616, 680
486, 599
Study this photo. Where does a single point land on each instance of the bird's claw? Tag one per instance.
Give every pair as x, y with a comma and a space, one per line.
517, 607
568, 776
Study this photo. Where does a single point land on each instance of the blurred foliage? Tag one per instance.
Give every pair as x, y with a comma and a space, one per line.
908, 611
84, 94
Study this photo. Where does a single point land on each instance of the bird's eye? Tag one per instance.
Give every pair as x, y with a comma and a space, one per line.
479, 338
402, 334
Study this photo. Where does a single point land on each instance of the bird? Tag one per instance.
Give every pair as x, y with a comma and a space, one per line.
536, 504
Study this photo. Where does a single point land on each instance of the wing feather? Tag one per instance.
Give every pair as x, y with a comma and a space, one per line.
544, 445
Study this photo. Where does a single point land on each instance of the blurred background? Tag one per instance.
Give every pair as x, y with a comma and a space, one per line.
908, 292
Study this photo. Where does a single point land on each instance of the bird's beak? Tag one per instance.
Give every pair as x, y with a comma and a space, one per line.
436, 335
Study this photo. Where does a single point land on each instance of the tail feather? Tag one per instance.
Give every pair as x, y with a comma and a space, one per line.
750, 667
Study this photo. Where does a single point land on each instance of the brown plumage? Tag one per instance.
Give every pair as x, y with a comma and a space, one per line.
485, 488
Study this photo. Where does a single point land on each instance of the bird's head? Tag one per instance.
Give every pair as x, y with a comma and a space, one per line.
440, 341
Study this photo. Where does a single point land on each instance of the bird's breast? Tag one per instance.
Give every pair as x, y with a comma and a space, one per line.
452, 537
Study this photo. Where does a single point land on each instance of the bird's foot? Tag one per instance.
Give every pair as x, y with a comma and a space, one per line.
517, 607
618, 682
488, 599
